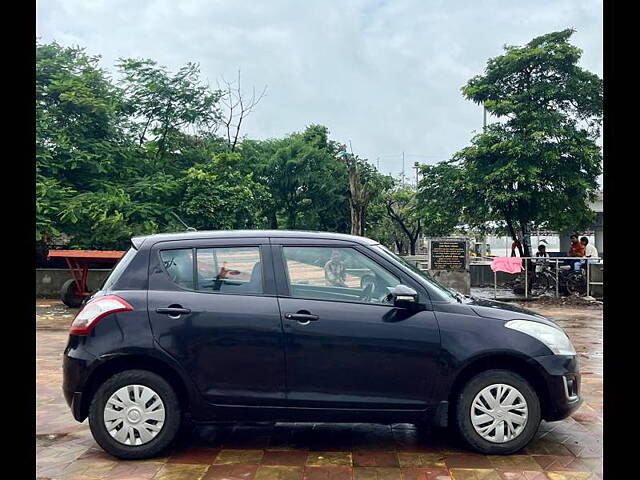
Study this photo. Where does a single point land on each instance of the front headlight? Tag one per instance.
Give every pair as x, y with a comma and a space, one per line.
554, 338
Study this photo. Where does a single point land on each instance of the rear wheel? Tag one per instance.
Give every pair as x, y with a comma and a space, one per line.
134, 414
70, 295
497, 412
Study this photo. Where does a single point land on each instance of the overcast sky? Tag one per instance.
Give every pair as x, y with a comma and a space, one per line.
385, 75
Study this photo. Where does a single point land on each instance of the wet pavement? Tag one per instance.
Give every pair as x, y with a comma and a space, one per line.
566, 450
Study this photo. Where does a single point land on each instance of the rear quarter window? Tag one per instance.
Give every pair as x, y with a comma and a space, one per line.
120, 267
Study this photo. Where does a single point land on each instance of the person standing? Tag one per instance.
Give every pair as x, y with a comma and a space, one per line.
515, 248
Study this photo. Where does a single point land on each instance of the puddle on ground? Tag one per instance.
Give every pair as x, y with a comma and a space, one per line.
48, 439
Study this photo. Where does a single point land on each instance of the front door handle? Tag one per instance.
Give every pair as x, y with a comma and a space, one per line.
173, 311
301, 317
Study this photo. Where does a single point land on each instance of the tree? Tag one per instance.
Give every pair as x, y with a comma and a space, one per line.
307, 181
118, 159
382, 228
218, 197
539, 166
97, 178
237, 109
162, 105
80, 145
438, 200
365, 184
400, 204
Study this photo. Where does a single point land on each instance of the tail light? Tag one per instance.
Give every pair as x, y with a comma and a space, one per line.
94, 311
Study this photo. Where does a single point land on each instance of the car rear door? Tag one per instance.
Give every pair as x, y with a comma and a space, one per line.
219, 317
343, 350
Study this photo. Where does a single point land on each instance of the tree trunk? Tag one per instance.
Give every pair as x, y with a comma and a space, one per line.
412, 245
363, 220
526, 238
357, 220
514, 235
356, 225
292, 219
274, 220
358, 200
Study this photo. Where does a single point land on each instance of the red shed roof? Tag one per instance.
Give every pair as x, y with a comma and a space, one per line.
87, 254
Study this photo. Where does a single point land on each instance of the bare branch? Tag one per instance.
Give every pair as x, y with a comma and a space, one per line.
237, 108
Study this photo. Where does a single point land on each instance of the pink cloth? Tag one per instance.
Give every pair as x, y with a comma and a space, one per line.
507, 264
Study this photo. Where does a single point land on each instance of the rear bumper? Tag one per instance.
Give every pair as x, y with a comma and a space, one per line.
561, 376
75, 369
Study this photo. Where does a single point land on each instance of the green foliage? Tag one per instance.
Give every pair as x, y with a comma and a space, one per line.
115, 160
438, 199
539, 167
79, 144
96, 181
161, 106
307, 181
402, 208
219, 197
366, 185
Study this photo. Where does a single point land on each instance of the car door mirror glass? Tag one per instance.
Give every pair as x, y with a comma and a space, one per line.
403, 296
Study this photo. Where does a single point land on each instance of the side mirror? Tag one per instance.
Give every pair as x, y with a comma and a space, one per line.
403, 296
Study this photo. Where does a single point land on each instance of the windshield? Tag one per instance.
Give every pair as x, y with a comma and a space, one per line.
444, 293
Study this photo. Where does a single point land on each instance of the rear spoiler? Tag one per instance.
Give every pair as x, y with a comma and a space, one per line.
136, 242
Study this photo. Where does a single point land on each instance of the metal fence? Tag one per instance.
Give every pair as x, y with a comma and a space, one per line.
545, 262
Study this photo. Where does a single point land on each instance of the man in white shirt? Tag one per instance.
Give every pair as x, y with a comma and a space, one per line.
589, 250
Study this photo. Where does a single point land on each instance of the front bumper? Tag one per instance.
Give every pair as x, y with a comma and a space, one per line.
561, 377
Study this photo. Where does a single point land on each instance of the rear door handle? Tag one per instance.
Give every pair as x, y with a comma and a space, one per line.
173, 311
301, 317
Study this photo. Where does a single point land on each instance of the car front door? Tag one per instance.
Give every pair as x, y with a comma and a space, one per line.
346, 345
219, 317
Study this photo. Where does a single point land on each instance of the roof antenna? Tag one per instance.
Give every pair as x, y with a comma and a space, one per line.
189, 229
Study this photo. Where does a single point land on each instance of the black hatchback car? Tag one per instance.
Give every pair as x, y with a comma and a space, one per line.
304, 326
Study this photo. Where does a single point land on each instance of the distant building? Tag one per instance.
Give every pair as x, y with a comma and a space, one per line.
598, 227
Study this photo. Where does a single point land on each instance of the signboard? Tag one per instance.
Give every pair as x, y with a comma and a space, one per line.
448, 254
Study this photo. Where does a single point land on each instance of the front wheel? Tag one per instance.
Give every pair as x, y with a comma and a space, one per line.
135, 414
498, 412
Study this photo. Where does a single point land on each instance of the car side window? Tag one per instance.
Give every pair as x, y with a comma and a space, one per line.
342, 274
179, 266
230, 270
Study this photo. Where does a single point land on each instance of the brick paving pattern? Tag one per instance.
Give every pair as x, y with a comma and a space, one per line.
566, 450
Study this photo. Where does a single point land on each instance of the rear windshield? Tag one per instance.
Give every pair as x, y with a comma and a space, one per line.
120, 267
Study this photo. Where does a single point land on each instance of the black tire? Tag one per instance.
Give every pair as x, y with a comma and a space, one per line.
576, 284
539, 284
173, 415
463, 412
69, 294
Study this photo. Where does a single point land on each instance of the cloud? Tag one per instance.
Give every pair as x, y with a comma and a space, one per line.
384, 74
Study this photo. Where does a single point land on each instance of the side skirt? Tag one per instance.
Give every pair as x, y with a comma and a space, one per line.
300, 414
